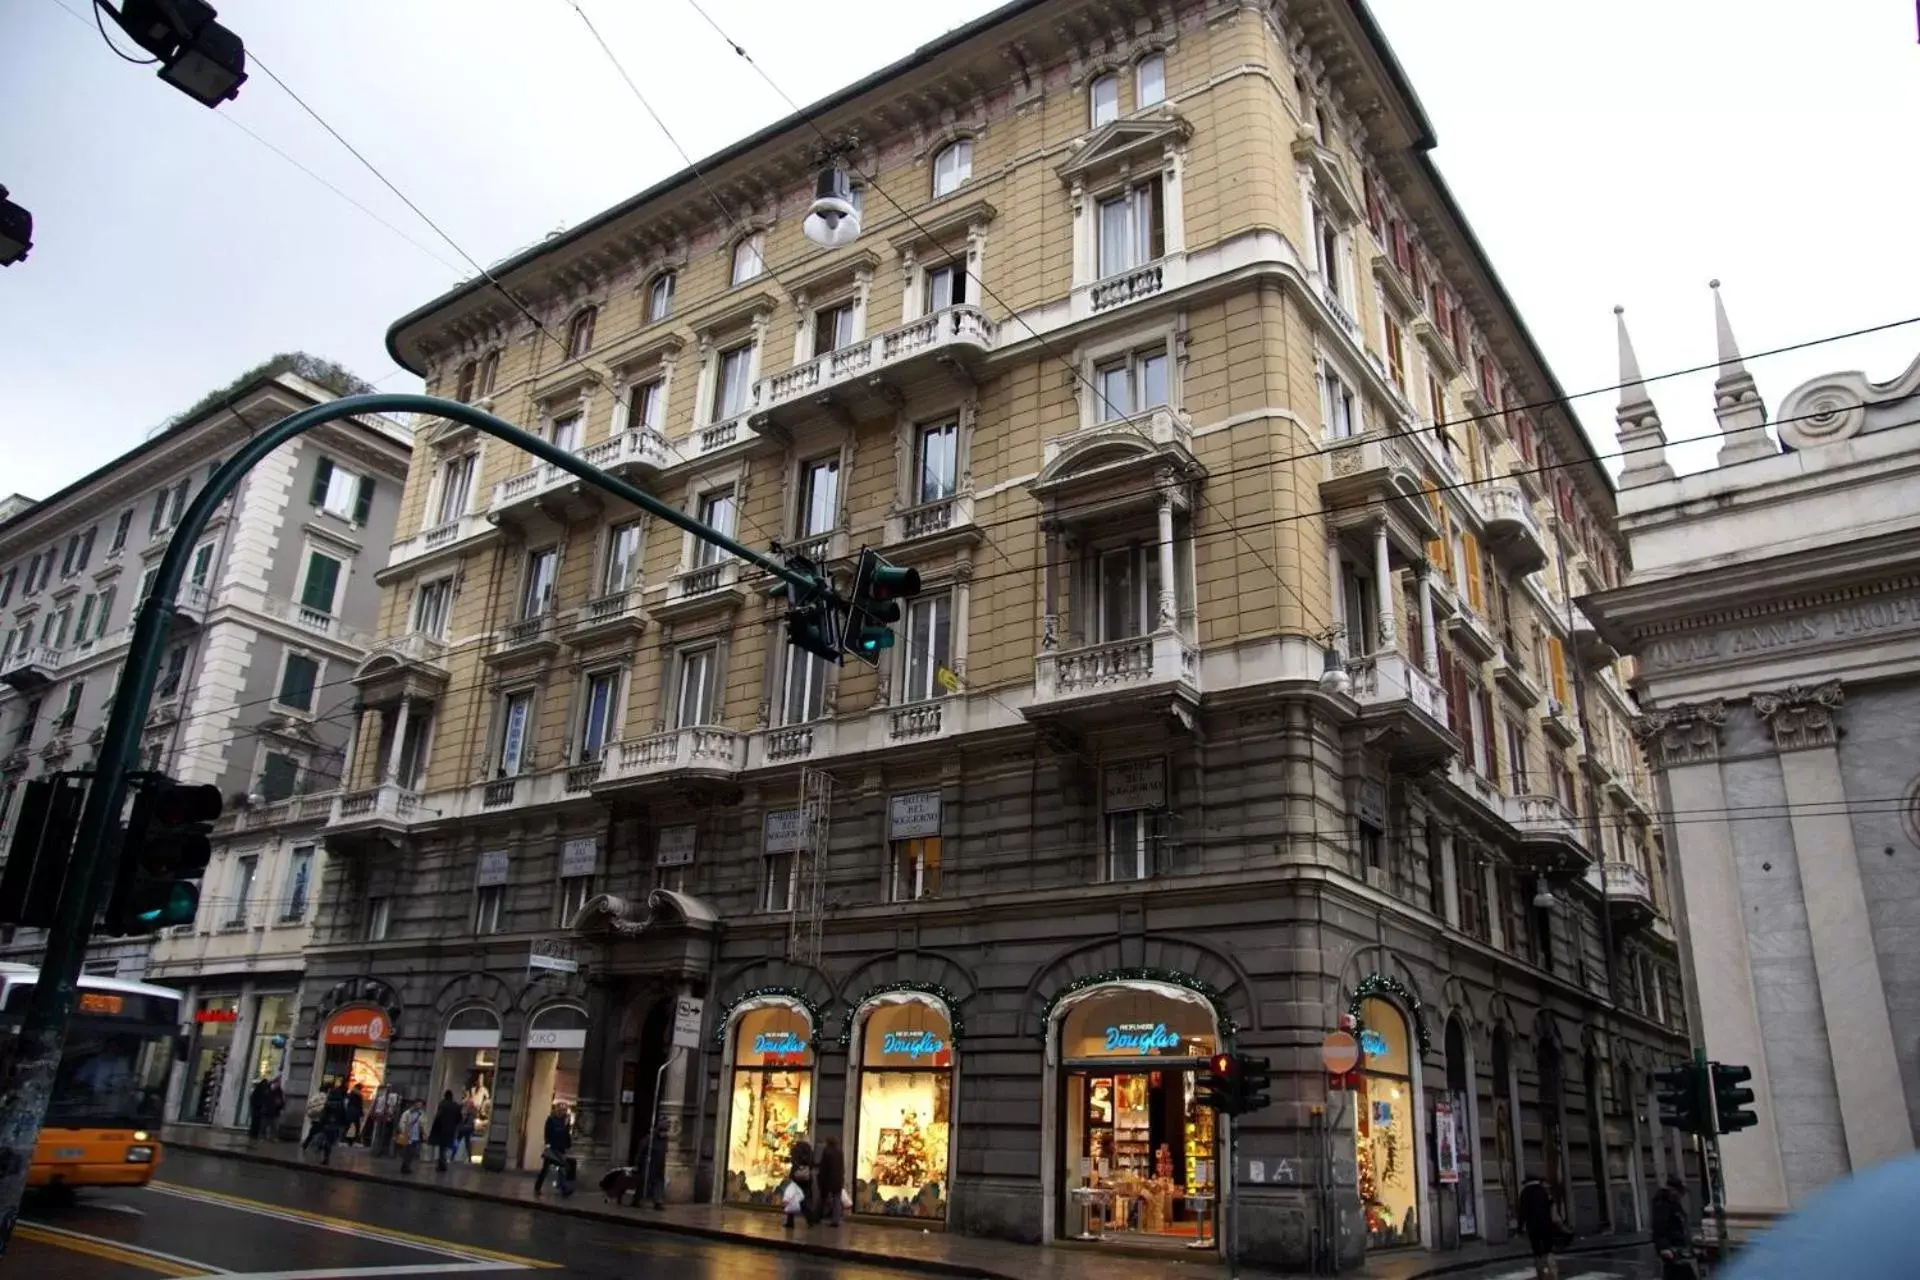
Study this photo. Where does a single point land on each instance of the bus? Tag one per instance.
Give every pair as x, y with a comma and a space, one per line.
103, 1123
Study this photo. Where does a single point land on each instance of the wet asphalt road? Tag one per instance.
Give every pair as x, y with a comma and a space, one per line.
206, 1216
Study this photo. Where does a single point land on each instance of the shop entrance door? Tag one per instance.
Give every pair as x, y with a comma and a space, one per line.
1139, 1153
653, 1056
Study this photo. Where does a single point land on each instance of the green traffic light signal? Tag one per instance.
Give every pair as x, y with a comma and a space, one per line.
165, 849
878, 588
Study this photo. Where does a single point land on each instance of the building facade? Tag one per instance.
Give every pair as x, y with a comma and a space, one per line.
1771, 609
1245, 692
275, 614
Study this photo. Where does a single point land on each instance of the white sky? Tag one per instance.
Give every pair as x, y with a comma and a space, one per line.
1624, 152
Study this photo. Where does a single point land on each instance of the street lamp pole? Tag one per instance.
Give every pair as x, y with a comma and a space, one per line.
43, 1033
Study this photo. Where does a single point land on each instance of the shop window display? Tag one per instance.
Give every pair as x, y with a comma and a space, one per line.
1383, 1137
906, 1105
1141, 1152
772, 1100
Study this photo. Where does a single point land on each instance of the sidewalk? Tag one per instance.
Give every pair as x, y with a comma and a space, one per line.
935, 1252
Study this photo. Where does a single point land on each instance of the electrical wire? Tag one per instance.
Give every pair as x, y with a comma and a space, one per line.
98, 5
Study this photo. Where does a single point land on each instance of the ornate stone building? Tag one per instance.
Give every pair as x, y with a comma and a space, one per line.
1772, 607
1245, 693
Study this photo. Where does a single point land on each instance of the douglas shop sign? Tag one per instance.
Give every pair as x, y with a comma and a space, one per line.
912, 1044
781, 1046
1140, 1038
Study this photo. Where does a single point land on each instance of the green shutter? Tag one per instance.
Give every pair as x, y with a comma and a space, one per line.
296, 683
363, 500
277, 776
322, 476
323, 575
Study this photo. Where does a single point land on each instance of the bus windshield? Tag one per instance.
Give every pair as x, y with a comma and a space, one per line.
110, 1077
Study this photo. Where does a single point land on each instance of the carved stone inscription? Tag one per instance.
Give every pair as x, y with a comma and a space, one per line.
1847, 622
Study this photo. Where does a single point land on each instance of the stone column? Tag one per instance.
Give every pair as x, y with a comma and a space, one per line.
600, 1071
1866, 1067
1450, 877
391, 770
1168, 609
355, 732
1496, 911
1338, 589
1683, 744
1429, 641
1050, 589
1383, 583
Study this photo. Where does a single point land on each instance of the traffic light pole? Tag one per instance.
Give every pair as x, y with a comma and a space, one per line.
28, 1087
1710, 1153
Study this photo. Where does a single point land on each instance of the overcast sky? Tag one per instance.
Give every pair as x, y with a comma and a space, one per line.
1619, 153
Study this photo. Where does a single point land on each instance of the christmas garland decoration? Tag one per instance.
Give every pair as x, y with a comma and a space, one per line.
944, 995
1385, 984
1170, 977
799, 997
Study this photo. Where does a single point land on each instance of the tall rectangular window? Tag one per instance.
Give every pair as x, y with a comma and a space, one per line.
487, 907
1103, 100
597, 719
695, 705
819, 496
574, 892
200, 568
731, 384
946, 286
647, 406
1130, 384
379, 917
456, 487
1130, 230
832, 328
1326, 244
929, 646
1396, 350
565, 432
1337, 406
516, 726
120, 529
323, 582
1126, 846
747, 260
1150, 81
916, 869
278, 774
777, 895
299, 884
339, 492
70, 706
297, 681
805, 696
1127, 583
660, 297
936, 462
622, 559
536, 599
1517, 757
171, 673
716, 511
432, 605
245, 871
952, 166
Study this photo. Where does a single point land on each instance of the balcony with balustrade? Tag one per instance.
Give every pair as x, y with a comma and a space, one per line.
190, 605
880, 730
1472, 634
526, 640
705, 588
1560, 724
1551, 842
1368, 478
1511, 673
436, 542
699, 753
1116, 679
30, 668
386, 809
881, 372
1406, 704
1629, 895
930, 527
412, 665
614, 615
1512, 533
637, 455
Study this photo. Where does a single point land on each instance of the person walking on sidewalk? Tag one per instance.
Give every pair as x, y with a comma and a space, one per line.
333, 1121
356, 1114
276, 1103
559, 1140
380, 1121
830, 1181
446, 1123
257, 1109
800, 1174
410, 1133
469, 1122
1541, 1223
316, 1107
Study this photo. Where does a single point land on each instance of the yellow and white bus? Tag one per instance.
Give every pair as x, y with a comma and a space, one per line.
103, 1123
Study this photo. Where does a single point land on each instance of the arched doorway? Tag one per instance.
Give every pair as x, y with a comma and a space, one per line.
770, 1073
1553, 1137
550, 1073
1135, 1157
641, 1078
1388, 1168
469, 1065
901, 1103
1506, 1144
1456, 1131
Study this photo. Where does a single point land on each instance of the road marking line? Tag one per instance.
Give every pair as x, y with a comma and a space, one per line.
347, 1226
165, 1264
350, 1273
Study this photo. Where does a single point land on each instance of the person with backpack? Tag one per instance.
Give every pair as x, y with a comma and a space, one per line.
410, 1133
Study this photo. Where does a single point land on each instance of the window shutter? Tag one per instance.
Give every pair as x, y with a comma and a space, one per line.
322, 476
363, 501
1557, 659
1475, 592
323, 575
159, 513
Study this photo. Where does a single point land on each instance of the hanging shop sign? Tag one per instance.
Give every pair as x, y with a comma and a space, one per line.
358, 1025
914, 1045
495, 864
786, 831
673, 847
555, 955
579, 857
216, 1015
914, 815
1136, 784
1373, 803
556, 1038
1140, 1038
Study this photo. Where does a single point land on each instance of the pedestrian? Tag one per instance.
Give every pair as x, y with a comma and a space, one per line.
316, 1107
559, 1140
446, 1123
380, 1121
1672, 1232
800, 1174
333, 1121
1538, 1221
410, 1133
257, 1109
276, 1104
469, 1121
356, 1114
655, 1183
830, 1180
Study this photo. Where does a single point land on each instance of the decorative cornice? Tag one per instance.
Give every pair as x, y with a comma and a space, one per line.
1685, 733
1800, 716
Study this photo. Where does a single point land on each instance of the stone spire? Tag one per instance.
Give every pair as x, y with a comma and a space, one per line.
1736, 401
1642, 439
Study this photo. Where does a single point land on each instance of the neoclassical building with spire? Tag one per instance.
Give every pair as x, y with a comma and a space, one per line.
1774, 610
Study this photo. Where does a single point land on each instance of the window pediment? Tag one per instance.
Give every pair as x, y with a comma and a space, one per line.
950, 223
567, 388
754, 306
1329, 179
1136, 142
833, 275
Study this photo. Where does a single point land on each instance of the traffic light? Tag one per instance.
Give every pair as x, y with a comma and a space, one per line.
1730, 1100
164, 852
1251, 1078
878, 589
1218, 1089
816, 622
16, 231
1681, 1092
41, 850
